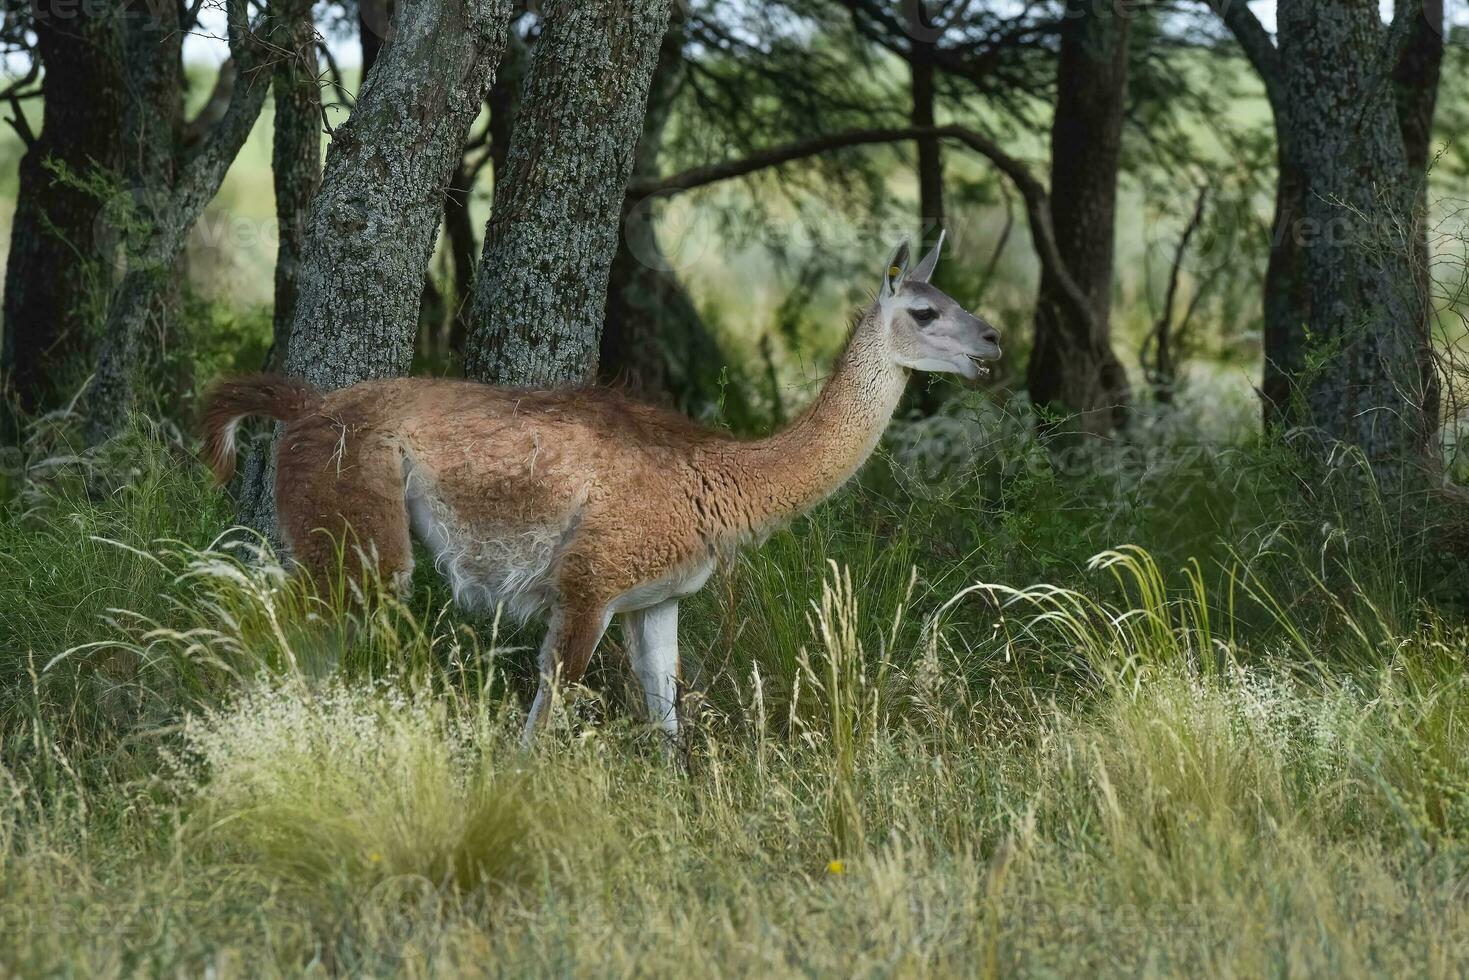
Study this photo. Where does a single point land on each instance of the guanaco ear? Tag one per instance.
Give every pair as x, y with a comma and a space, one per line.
924, 272
897, 270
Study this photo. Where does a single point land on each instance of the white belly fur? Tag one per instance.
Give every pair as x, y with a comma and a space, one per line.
513, 567
675, 586
487, 566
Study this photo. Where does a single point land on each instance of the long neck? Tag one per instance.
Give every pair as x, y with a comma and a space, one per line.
795, 469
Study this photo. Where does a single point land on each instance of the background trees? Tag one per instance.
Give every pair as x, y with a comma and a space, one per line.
50, 320
542, 287
1347, 312
1072, 366
571, 134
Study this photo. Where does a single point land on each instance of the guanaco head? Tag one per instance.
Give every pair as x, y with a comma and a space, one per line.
927, 330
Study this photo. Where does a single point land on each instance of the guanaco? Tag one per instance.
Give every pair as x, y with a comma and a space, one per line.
580, 504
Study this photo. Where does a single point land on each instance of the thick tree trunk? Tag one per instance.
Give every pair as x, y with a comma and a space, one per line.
376, 218
542, 288
295, 161
1367, 313
173, 185
1072, 367
49, 318
151, 225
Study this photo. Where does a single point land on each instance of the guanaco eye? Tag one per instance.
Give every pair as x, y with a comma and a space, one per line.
926, 315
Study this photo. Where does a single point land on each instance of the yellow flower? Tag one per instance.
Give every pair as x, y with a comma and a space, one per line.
374, 857
837, 866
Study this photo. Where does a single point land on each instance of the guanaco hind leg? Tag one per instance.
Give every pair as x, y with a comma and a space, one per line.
571, 638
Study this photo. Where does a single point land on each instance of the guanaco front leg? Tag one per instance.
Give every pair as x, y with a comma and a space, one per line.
652, 643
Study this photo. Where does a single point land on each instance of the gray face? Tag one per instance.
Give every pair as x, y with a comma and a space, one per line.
928, 330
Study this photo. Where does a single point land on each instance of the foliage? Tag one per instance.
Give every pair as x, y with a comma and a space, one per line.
1253, 762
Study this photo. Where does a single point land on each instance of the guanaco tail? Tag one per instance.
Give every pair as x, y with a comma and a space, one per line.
579, 504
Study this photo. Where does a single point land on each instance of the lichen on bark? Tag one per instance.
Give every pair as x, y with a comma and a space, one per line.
376, 218
542, 285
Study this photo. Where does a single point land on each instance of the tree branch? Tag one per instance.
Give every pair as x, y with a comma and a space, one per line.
13, 95
215, 106
1257, 43
206, 163
1032, 192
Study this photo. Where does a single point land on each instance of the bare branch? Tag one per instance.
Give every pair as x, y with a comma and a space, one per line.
215, 106
1032, 192
1257, 43
13, 95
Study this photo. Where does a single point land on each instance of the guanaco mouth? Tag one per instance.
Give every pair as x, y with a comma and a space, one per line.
981, 364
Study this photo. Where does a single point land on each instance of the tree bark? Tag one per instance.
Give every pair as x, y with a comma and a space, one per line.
50, 319
1367, 315
541, 292
295, 162
930, 155
146, 220
1072, 366
172, 183
375, 220
1415, 81
1287, 296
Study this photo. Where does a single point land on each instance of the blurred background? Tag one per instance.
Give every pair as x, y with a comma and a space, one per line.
730, 298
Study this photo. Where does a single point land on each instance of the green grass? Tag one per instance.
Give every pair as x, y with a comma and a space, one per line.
1179, 706
905, 759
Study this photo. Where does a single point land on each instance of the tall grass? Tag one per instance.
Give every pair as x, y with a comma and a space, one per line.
1253, 762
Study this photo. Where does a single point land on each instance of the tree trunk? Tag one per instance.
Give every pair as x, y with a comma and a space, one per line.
1072, 367
1416, 79
50, 319
295, 162
542, 289
1287, 296
1367, 315
463, 251
148, 221
172, 185
930, 160
458, 225
375, 220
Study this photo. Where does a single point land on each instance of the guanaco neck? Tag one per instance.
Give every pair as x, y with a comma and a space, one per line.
779, 477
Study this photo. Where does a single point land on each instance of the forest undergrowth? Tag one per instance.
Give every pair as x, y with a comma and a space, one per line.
1156, 708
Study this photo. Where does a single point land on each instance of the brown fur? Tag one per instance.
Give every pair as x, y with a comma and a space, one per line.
227, 402
644, 492
632, 497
